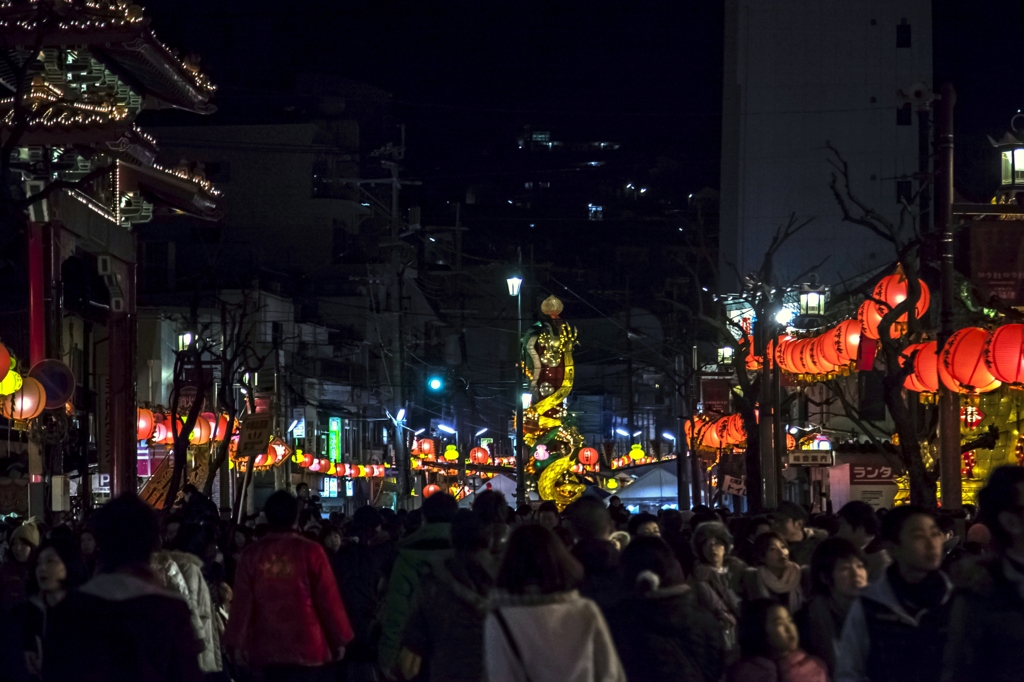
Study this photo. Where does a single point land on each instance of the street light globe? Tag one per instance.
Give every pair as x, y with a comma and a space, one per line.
784, 316
514, 282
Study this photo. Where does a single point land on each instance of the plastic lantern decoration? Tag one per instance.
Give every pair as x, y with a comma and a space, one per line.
479, 455
451, 453
753, 361
589, 456
377, 470
261, 460
160, 432
894, 290
541, 453
820, 361
636, 452
426, 447
867, 315
11, 383
307, 461
25, 403
1004, 353
429, 490
781, 353
415, 448
790, 442
146, 424
333, 470
839, 345
200, 432
962, 363
222, 430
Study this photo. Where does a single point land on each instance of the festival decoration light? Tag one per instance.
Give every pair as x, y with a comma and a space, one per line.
25, 403
146, 424
1004, 353
962, 364
589, 456
429, 490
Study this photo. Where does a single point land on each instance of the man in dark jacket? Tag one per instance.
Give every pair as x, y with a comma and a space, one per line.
430, 544
122, 626
594, 549
445, 635
896, 630
789, 521
359, 570
986, 635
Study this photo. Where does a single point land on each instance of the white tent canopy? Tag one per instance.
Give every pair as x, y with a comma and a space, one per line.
656, 484
502, 483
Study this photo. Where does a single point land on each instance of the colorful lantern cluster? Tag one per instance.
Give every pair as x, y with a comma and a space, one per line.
156, 428
724, 432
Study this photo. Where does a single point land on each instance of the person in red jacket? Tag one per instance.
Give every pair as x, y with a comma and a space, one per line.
287, 617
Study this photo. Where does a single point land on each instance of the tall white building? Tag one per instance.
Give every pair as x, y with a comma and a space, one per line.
799, 74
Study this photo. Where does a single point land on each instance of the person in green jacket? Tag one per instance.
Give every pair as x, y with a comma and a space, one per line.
430, 544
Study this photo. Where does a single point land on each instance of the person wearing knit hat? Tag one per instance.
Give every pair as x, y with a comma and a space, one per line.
28, 533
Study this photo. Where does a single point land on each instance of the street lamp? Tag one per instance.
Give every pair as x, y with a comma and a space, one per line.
515, 283
446, 428
812, 300
418, 432
622, 432
480, 433
400, 417
668, 436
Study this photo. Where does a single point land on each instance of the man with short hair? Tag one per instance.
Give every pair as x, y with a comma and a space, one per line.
859, 524
287, 617
896, 630
122, 626
789, 521
430, 544
547, 515
986, 628
592, 525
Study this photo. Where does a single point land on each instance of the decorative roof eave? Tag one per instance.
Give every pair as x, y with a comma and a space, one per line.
132, 52
71, 135
183, 194
1007, 140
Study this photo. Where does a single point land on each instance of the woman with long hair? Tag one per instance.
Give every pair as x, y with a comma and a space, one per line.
540, 629
714, 575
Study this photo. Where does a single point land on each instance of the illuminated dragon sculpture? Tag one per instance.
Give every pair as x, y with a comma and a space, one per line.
549, 366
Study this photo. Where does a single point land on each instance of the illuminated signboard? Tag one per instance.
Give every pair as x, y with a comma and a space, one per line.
334, 440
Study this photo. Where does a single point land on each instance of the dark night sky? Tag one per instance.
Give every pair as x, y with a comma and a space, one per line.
466, 74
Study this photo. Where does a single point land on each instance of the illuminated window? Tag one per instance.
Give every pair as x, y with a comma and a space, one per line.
1018, 166
1007, 168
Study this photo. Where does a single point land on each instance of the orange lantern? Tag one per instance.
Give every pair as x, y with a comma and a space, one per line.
841, 343
479, 456
307, 461
427, 447
708, 436
721, 427
222, 429
160, 433
912, 382
200, 432
1004, 353
790, 442
429, 490
261, 460
781, 352
818, 356
577, 468
795, 356
737, 432
893, 290
415, 449
869, 319
590, 456
962, 362
145, 422
25, 403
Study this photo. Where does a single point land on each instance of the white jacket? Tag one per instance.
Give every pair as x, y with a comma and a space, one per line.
561, 638
201, 607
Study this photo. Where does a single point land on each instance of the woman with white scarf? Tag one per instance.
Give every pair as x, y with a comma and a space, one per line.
774, 577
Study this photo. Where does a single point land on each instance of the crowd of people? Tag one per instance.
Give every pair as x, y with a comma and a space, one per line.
590, 593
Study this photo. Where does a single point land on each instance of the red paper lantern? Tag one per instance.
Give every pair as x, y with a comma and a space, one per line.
429, 490
841, 342
479, 456
781, 353
795, 357
307, 461
222, 429
160, 433
790, 442
146, 423
893, 290
427, 447
867, 315
721, 427
737, 432
962, 362
819, 363
377, 470
5, 361
1004, 353
590, 456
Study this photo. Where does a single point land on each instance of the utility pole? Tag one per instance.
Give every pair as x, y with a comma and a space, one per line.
694, 446
949, 401
766, 431
680, 402
629, 364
